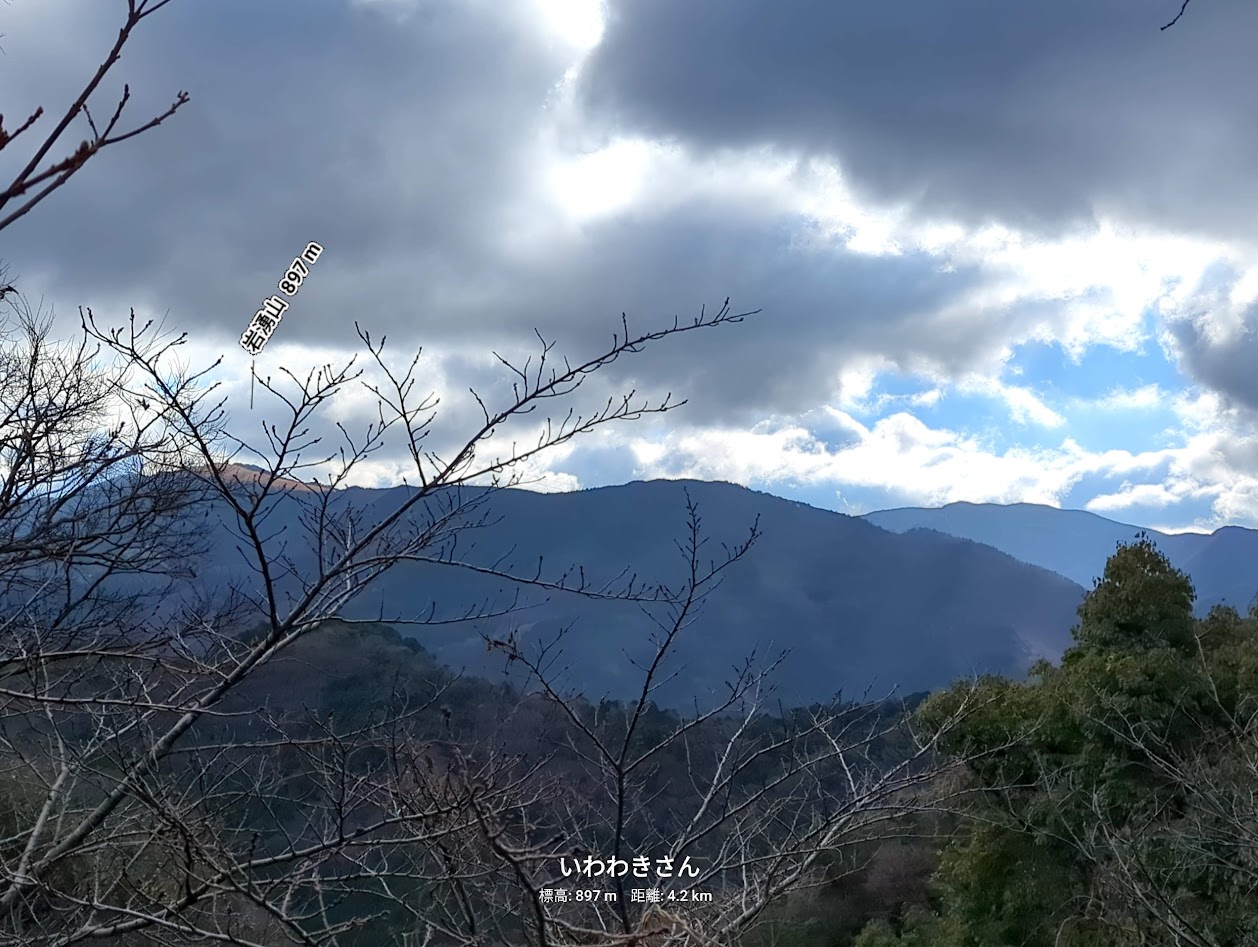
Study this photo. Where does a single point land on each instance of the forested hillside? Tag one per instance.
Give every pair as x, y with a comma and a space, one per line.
1112, 795
857, 609
1104, 801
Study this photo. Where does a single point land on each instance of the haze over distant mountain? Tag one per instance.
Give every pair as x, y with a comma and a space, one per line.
858, 606
1223, 564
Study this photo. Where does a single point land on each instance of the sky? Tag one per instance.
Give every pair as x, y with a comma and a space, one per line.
1000, 252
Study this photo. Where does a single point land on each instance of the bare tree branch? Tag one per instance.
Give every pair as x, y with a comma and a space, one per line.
1182, 8
58, 173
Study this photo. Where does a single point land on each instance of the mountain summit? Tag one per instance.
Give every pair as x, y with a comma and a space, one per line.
858, 607
1223, 565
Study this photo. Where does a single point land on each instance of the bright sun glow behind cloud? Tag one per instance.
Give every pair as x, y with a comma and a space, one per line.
601, 182
579, 23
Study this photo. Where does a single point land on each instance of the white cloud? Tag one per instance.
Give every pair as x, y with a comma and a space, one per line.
1025, 407
916, 464
1124, 399
1144, 494
1178, 529
856, 381
899, 454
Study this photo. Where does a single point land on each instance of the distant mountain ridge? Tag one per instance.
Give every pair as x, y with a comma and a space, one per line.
858, 606
1076, 544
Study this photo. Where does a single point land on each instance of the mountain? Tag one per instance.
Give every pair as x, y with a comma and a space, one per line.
858, 606
1223, 565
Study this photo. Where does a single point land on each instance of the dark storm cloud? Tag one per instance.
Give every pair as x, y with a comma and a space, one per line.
404, 147
1030, 113
394, 144
820, 309
1223, 362
409, 147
